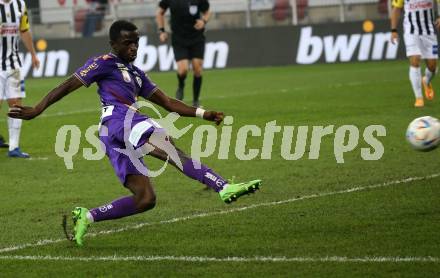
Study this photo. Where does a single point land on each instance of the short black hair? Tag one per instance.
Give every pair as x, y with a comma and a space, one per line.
118, 26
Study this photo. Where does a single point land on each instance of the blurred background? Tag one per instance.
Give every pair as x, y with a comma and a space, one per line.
240, 33
75, 18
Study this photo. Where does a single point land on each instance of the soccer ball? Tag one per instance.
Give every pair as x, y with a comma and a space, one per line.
424, 133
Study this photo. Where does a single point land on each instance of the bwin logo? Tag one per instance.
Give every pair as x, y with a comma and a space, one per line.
150, 56
343, 48
53, 63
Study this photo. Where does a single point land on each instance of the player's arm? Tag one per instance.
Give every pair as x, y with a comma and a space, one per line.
26, 37
160, 21
174, 105
397, 6
62, 90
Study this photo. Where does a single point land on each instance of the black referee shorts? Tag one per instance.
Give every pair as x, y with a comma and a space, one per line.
188, 52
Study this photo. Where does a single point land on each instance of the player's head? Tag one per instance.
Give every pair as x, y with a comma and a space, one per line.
124, 39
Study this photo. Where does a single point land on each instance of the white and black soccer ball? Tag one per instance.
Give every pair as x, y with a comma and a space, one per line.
424, 133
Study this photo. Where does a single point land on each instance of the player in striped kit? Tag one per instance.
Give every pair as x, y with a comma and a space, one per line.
14, 24
419, 26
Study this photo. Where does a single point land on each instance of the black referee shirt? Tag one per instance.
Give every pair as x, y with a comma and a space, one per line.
184, 14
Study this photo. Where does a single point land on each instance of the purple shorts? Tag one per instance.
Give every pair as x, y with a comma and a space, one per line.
121, 151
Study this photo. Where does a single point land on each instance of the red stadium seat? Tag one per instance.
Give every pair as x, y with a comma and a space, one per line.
282, 9
80, 17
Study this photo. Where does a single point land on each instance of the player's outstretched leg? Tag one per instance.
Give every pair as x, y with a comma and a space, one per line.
228, 191
143, 199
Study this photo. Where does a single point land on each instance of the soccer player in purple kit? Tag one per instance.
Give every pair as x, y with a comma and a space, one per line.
119, 85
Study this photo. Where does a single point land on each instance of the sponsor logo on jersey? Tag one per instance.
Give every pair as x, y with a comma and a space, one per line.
8, 30
162, 56
420, 5
90, 67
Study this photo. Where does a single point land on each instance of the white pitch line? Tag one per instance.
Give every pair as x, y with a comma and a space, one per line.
214, 213
39, 158
331, 259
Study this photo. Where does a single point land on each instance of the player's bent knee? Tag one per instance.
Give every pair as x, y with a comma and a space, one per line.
147, 202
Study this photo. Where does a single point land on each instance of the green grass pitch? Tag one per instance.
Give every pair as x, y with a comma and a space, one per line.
391, 230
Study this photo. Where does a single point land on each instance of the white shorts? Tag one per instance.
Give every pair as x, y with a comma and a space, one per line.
425, 46
11, 85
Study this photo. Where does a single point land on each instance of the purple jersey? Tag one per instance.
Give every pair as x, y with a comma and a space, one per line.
119, 83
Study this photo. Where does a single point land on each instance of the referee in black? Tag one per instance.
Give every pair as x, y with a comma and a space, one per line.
188, 21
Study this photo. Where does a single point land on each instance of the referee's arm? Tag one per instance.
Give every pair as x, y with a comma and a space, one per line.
201, 23
160, 21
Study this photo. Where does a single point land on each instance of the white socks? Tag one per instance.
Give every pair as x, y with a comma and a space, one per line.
415, 76
429, 75
90, 217
14, 126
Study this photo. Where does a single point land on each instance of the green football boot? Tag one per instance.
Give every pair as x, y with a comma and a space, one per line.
234, 190
79, 217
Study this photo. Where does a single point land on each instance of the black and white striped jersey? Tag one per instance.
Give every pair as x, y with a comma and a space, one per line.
418, 16
14, 19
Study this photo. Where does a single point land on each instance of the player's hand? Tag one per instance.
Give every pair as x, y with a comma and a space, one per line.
394, 37
35, 62
163, 37
22, 112
214, 116
200, 24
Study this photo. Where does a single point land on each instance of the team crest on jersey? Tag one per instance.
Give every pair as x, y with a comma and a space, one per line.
126, 76
193, 9
124, 72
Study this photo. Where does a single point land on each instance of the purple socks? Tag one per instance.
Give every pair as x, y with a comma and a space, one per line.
126, 206
119, 208
203, 174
